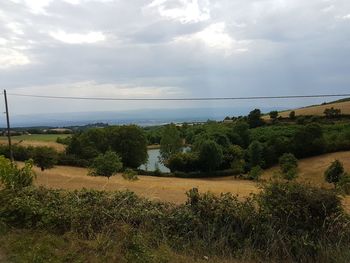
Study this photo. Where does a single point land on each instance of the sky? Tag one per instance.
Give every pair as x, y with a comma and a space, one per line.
171, 48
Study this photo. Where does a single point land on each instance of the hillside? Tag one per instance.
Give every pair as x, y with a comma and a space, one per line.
318, 110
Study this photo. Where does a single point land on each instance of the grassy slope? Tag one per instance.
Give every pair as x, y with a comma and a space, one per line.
319, 109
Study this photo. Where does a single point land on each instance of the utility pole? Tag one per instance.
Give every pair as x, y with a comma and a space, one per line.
8, 127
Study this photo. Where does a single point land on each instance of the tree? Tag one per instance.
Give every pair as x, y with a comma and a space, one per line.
255, 154
45, 157
106, 165
273, 115
255, 173
308, 140
334, 172
242, 129
292, 115
170, 143
130, 143
254, 118
234, 159
288, 166
210, 155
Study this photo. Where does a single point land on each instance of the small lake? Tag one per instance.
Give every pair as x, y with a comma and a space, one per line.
153, 161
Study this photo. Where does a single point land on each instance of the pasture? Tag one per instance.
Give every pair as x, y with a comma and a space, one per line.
173, 189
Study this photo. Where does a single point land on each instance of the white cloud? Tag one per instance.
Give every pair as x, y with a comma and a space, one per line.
216, 37
187, 11
35, 6
346, 17
15, 28
11, 58
89, 38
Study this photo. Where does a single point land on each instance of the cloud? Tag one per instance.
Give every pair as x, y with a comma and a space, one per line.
11, 58
186, 11
75, 38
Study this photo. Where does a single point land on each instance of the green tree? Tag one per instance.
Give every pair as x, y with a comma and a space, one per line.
273, 115
13, 177
254, 119
332, 113
210, 155
308, 140
241, 128
255, 154
334, 172
255, 173
130, 143
106, 165
45, 157
288, 166
170, 143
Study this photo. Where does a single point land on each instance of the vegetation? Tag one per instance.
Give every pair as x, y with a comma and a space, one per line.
13, 177
106, 164
170, 143
285, 222
130, 175
334, 173
45, 157
288, 166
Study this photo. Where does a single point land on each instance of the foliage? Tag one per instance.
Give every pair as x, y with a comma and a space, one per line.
210, 155
309, 140
106, 164
255, 154
170, 143
45, 157
344, 184
130, 175
292, 115
334, 172
255, 173
332, 113
13, 177
286, 222
183, 162
273, 115
254, 119
288, 166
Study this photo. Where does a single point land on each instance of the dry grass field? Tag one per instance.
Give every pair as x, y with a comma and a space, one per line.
59, 147
173, 189
317, 110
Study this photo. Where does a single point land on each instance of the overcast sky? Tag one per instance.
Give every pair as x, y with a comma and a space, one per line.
171, 48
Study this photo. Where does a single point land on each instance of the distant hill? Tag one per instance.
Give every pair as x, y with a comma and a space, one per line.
343, 105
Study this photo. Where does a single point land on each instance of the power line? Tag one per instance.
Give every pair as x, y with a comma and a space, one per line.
180, 99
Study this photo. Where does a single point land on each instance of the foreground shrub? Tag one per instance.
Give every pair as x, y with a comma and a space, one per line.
13, 177
286, 221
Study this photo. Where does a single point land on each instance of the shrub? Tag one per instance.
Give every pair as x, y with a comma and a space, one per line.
288, 166
106, 165
13, 177
210, 155
255, 173
292, 115
334, 172
130, 175
344, 184
183, 162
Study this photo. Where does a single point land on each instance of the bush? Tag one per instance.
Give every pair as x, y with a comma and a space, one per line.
106, 164
334, 172
288, 166
210, 155
13, 177
130, 175
344, 184
183, 162
255, 173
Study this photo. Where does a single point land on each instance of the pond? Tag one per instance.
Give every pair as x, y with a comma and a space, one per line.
153, 161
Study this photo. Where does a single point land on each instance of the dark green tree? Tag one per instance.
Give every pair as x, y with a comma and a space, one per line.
210, 155
45, 157
332, 113
255, 154
254, 119
334, 172
106, 165
170, 143
292, 115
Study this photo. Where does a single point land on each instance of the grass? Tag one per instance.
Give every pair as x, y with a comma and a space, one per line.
37, 137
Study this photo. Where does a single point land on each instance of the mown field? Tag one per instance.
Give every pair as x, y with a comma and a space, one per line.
37, 140
173, 189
